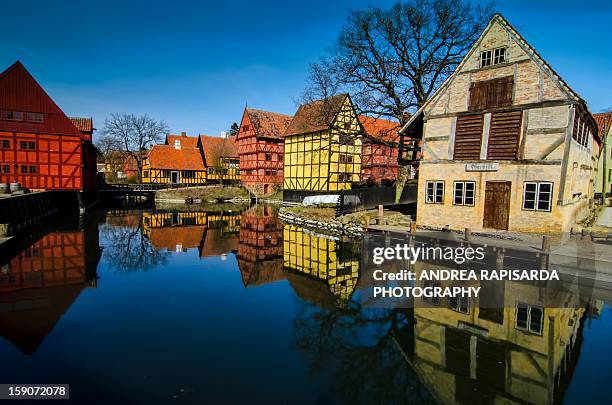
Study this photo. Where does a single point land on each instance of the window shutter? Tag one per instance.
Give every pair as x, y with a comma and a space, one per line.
491, 93
468, 137
504, 135
478, 92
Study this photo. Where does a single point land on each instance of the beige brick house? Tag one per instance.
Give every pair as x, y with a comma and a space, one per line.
506, 143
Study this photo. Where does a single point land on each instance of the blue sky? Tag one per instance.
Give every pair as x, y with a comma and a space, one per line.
196, 64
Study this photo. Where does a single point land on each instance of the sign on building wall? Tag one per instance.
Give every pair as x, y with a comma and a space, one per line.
482, 167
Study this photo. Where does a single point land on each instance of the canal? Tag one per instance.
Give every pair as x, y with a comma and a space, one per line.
231, 305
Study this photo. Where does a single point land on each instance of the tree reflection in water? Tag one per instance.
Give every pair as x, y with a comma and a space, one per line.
362, 349
126, 247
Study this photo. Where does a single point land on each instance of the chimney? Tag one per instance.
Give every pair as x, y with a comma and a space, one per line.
184, 134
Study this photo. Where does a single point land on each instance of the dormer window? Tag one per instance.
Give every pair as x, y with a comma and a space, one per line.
177, 144
492, 57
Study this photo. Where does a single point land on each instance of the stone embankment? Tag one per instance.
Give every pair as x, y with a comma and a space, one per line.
324, 225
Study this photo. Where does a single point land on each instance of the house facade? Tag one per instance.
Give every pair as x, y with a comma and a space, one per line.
260, 147
178, 161
322, 148
380, 147
506, 143
603, 180
260, 249
220, 158
40, 147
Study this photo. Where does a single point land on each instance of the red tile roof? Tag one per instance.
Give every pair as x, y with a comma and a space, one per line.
217, 243
315, 116
380, 130
19, 91
168, 157
186, 141
83, 124
186, 236
269, 124
604, 123
215, 147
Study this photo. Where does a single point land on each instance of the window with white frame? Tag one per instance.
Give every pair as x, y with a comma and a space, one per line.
537, 196
459, 304
492, 57
434, 192
529, 318
464, 193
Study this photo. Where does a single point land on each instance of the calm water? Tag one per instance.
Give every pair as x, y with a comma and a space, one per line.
231, 306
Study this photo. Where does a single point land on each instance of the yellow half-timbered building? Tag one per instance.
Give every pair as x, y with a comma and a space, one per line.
333, 262
322, 148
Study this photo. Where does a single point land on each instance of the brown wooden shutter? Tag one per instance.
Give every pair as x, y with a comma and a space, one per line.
504, 135
468, 137
491, 93
477, 95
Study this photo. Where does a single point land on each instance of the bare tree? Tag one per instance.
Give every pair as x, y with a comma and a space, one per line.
127, 248
132, 134
391, 60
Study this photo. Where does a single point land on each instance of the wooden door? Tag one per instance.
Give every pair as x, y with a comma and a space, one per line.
497, 205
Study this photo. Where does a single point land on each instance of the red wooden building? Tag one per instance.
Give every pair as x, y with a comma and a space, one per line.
260, 147
40, 147
380, 147
260, 249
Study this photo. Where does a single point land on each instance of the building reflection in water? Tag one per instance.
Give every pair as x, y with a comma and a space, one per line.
521, 352
445, 350
321, 268
524, 350
260, 249
213, 233
39, 283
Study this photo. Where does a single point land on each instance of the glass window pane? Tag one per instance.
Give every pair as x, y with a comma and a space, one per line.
543, 205
536, 318
530, 187
545, 187
521, 317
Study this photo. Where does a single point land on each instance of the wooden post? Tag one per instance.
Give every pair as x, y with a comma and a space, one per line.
468, 234
545, 244
545, 252
499, 259
381, 219
413, 227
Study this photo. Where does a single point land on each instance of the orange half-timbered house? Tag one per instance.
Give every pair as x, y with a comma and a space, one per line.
40, 147
220, 158
379, 150
260, 147
178, 161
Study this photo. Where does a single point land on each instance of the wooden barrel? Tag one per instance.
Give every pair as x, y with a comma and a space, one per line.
4, 188
15, 186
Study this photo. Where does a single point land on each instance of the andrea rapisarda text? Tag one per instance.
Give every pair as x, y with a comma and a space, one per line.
467, 275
